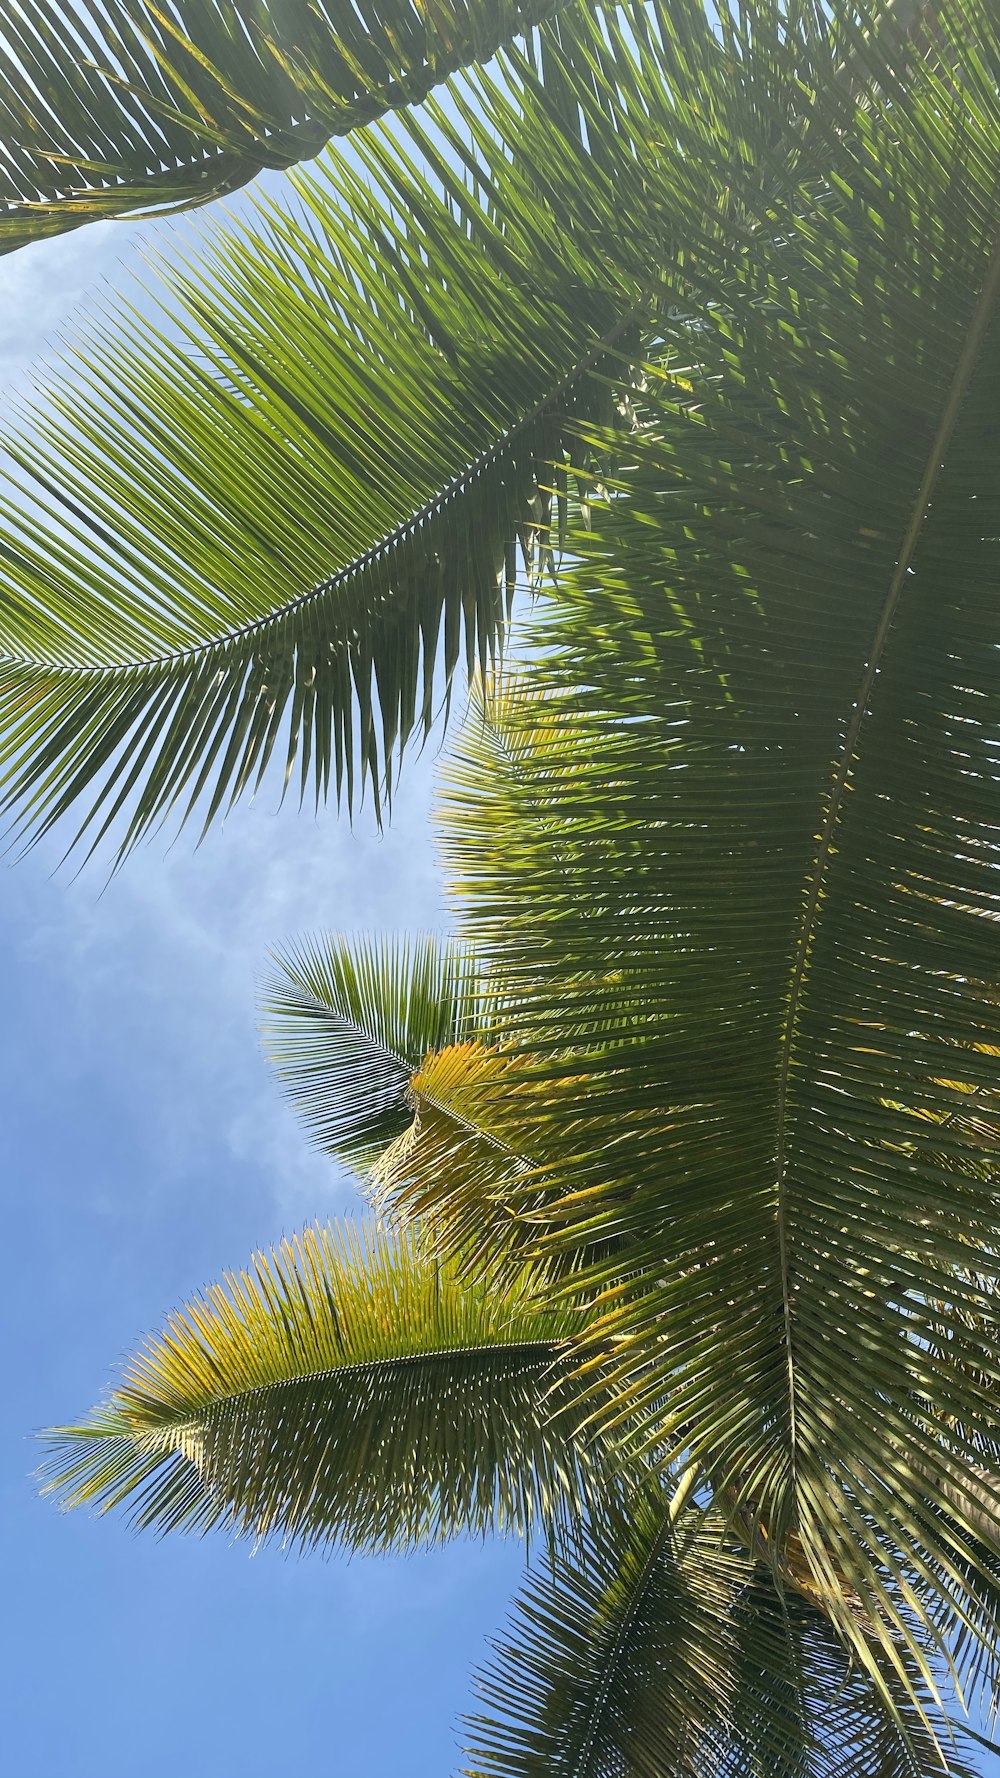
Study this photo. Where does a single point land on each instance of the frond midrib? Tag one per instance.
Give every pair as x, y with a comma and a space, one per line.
309, 1006
613, 1658
958, 387
543, 1351
472, 1128
386, 546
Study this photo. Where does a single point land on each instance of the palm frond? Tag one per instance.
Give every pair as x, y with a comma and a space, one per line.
806, 1709
616, 1659
125, 105
654, 1649
410, 362
348, 1389
347, 1022
453, 1168
760, 883
267, 521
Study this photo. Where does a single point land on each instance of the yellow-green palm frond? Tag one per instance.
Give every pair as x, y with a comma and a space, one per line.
124, 105
346, 1023
453, 1168
348, 1389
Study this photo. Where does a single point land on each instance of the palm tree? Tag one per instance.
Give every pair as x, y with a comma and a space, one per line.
686, 1153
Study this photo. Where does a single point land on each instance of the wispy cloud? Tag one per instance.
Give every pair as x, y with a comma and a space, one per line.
158, 968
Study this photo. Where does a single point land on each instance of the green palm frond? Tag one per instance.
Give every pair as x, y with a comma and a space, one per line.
349, 1388
266, 521
762, 877
347, 1023
410, 359
653, 1649
120, 105
806, 1709
617, 1658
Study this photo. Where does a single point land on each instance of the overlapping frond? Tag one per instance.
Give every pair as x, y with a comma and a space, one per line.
349, 1389
347, 1022
410, 363
270, 519
761, 882
806, 1709
454, 1168
657, 1649
121, 105
618, 1657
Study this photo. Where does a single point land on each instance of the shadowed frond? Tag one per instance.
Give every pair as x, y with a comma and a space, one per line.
119, 105
349, 1389
760, 885
617, 1659
806, 1709
347, 1022
654, 1649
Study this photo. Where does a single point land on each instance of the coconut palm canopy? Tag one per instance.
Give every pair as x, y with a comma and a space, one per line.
685, 1149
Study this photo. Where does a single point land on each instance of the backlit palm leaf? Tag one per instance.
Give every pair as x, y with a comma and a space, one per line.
771, 848
252, 525
112, 105
260, 522
454, 1167
349, 1388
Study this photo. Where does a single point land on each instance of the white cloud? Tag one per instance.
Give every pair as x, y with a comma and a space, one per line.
158, 968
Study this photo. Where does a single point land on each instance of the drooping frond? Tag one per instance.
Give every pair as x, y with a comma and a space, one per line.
658, 1650
255, 524
347, 1023
760, 886
617, 1659
266, 521
807, 1709
120, 105
349, 1389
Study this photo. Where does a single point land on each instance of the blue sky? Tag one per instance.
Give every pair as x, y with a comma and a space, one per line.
145, 1148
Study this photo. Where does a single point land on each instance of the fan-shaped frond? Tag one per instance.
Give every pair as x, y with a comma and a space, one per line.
347, 1022
348, 1389
125, 104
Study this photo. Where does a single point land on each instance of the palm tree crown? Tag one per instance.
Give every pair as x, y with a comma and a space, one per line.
684, 1148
